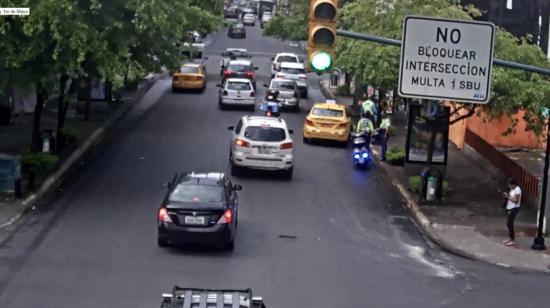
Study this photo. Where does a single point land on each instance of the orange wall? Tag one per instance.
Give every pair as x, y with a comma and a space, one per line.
491, 132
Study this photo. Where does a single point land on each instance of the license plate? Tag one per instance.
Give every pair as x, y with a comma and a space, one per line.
264, 150
326, 125
194, 220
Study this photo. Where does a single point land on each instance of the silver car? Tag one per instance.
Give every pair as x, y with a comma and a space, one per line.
289, 94
237, 92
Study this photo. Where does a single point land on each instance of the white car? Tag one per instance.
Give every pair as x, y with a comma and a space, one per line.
249, 20
282, 57
297, 72
289, 96
237, 92
261, 143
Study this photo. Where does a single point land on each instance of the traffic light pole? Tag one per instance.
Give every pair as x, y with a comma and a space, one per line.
538, 243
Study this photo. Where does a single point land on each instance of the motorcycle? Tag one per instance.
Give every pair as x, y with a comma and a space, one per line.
271, 105
361, 150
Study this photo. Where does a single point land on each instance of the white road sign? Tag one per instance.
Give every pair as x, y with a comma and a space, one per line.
446, 59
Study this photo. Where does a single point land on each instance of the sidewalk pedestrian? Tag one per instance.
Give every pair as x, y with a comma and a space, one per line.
513, 202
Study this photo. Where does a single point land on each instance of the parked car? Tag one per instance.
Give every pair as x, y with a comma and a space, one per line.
233, 54
199, 208
236, 30
191, 76
249, 20
289, 96
237, 92
241, 69
261, 143
282, 57
294, 71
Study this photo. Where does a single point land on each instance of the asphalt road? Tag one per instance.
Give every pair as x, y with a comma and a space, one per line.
331, 237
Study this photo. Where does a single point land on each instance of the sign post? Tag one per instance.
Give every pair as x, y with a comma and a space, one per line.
446, 59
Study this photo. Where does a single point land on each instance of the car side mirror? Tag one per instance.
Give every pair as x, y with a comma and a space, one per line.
237, 187
266, 85
231, 128
291, 131
272, 59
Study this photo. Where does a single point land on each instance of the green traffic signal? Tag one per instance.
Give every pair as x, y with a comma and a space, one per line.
321, 61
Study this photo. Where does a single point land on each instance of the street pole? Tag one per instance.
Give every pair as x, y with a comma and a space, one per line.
538, 243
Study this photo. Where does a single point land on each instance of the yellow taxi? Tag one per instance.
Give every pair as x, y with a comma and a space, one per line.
191, 76
328, 121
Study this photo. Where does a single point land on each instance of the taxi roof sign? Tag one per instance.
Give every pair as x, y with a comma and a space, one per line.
330, 101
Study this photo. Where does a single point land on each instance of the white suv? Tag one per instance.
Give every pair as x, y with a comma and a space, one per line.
297, 72
237, 92
262, 143
282, 57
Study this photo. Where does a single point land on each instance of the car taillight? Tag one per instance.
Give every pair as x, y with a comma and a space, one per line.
303, 77
227, 72
268, 114
225, 93
343, 125
252, 94
286, 145
250, 74
163, 215
242, 143
309, 122
226, 218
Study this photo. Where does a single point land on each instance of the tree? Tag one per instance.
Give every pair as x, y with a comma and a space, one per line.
292, 27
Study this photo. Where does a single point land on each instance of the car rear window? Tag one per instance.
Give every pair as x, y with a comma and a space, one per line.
238, 86
193, 192
283, 85
239, 68
327, 112
265, 133
238, 54
190, 69
287, 59
294, 71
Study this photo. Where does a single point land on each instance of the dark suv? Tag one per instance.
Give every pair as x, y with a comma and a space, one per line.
240, 69
199, 208
236, 30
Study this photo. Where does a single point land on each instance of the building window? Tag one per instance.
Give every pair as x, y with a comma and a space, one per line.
509, 4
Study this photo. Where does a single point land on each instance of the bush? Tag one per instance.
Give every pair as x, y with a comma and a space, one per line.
343, 90
414, 185
41, 163
71, 135
396, 156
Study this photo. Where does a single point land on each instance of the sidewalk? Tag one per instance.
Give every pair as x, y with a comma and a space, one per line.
15, 138
471, 222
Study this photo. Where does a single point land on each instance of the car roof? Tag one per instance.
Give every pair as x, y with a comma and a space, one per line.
192, 64
236, 49
282, 79
201, 177
238, 80
286, 54
333, 106
240, 62
292, 65
259, 120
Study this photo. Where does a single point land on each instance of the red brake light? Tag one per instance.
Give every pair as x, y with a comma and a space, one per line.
252, 94
268, 113
242, 143
309, 122
343, 125
227, 72
250, 74
226, 218
163, 215
287, 145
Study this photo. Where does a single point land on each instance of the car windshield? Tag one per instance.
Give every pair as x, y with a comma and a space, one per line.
265, 133
193, 192
294, 71
283, 85
287, 59
196, 54
238, 54
327, 112
238, 86
190, 69
238, 68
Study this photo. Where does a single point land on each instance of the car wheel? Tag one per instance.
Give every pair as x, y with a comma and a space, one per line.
305, 94
235, 170
306, 140
287, 174
162, 242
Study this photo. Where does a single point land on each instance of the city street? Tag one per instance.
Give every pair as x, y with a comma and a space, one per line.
332, 236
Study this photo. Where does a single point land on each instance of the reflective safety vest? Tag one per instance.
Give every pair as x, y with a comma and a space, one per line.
364, 125
385, 124
370, 106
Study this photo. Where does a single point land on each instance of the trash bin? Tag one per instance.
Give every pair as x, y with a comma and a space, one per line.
48, 141
430, 185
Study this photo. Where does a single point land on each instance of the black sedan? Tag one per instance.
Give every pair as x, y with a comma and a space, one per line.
199, 208
236, 30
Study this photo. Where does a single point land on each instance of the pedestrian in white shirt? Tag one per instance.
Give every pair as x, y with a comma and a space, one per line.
513, 201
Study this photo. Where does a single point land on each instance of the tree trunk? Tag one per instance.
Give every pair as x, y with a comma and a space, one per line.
357, 93
109, 91
36, 138
88, 100
61, 113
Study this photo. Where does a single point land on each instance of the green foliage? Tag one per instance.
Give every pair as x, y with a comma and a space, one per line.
376, 64
414, 185
292, 27
396, 156
72, 135
41, 163
343, 90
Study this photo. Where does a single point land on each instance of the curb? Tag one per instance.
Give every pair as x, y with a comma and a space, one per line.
422, 220
95, 138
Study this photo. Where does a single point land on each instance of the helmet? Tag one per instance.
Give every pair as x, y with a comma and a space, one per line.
366, 114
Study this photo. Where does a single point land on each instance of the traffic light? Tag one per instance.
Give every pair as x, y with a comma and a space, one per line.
321, 44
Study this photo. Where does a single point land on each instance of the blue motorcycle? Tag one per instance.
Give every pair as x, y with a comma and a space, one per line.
361, 149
